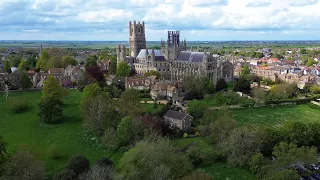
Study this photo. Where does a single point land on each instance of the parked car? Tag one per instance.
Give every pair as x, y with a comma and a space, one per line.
299, 169
316, 167
311, 167
316, 176
305, 178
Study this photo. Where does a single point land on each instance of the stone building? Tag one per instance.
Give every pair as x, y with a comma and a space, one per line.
173, 61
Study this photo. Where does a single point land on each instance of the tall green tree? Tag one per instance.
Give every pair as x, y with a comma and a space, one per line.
242, 85
99, 113
245, 70
43, 60
31, 61
91, 61
130, 130
91, 90
15, 60
51, 87
50, 105
68, 60
129, 103
123, 69
242, 144
54, 62
25, 81
23, 65
196, 108
7, 66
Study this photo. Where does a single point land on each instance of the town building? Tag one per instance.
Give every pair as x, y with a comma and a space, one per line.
178, 119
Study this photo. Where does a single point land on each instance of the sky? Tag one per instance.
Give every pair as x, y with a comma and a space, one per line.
198, 20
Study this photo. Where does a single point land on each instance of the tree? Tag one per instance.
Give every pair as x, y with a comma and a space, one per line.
129, 130
23, 165
23, 65
54, 62
221, 85
91, 61
15, 60
242, 144
283, 91
31, 61
197, 175
91, 90
310, 62
242, 85
7, 67
315, 89
99, 113
288, 153
68, 60
196, 109
113, 66
129, 103
109, 139
50, 105
222, 127
50, 109
77, 165
152, 72
95, 73
259, 95
245, 70
43, 60
284, 175
25, 81
150, 159
3, 153
98, 173
51, 87
123, 69
257, 163
303, 51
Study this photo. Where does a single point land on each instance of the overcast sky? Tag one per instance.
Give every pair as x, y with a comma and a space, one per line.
206, 20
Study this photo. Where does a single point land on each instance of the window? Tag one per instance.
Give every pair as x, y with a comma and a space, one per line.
159, 69
156, 64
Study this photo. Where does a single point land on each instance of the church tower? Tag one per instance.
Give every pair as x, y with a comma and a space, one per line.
137, 38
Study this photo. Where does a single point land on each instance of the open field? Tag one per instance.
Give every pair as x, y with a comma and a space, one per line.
277, 116
25, 131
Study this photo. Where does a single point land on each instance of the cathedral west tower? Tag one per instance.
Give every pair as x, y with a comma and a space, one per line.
137, 38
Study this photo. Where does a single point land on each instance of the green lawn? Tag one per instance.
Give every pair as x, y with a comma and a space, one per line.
223, 171
25, 131
277, 116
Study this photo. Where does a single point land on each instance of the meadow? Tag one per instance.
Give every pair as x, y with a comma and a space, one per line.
25, 130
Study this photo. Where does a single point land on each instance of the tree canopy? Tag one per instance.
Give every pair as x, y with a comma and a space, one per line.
123, 69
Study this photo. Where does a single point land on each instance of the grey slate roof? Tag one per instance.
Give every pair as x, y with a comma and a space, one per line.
142, 53
157, 54
190, 56
176, 115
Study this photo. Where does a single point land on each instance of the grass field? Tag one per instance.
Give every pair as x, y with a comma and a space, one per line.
277, 116
25, 131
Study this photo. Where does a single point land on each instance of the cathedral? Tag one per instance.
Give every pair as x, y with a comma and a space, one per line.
173, 61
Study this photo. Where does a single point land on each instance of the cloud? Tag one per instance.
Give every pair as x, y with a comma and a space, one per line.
303, 2
198, 19
258, 4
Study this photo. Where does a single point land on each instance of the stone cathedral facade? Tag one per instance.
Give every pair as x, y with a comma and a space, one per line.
173, 61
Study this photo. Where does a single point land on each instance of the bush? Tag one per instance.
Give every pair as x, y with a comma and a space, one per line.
194, 155
18, 106
78, 164
109, 139
204, 130
214, 156
53, 152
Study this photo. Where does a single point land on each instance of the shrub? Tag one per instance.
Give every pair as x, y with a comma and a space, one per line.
194, 155
78, 164
53, 152
214, 156
18, 106
109, 139
204, 130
